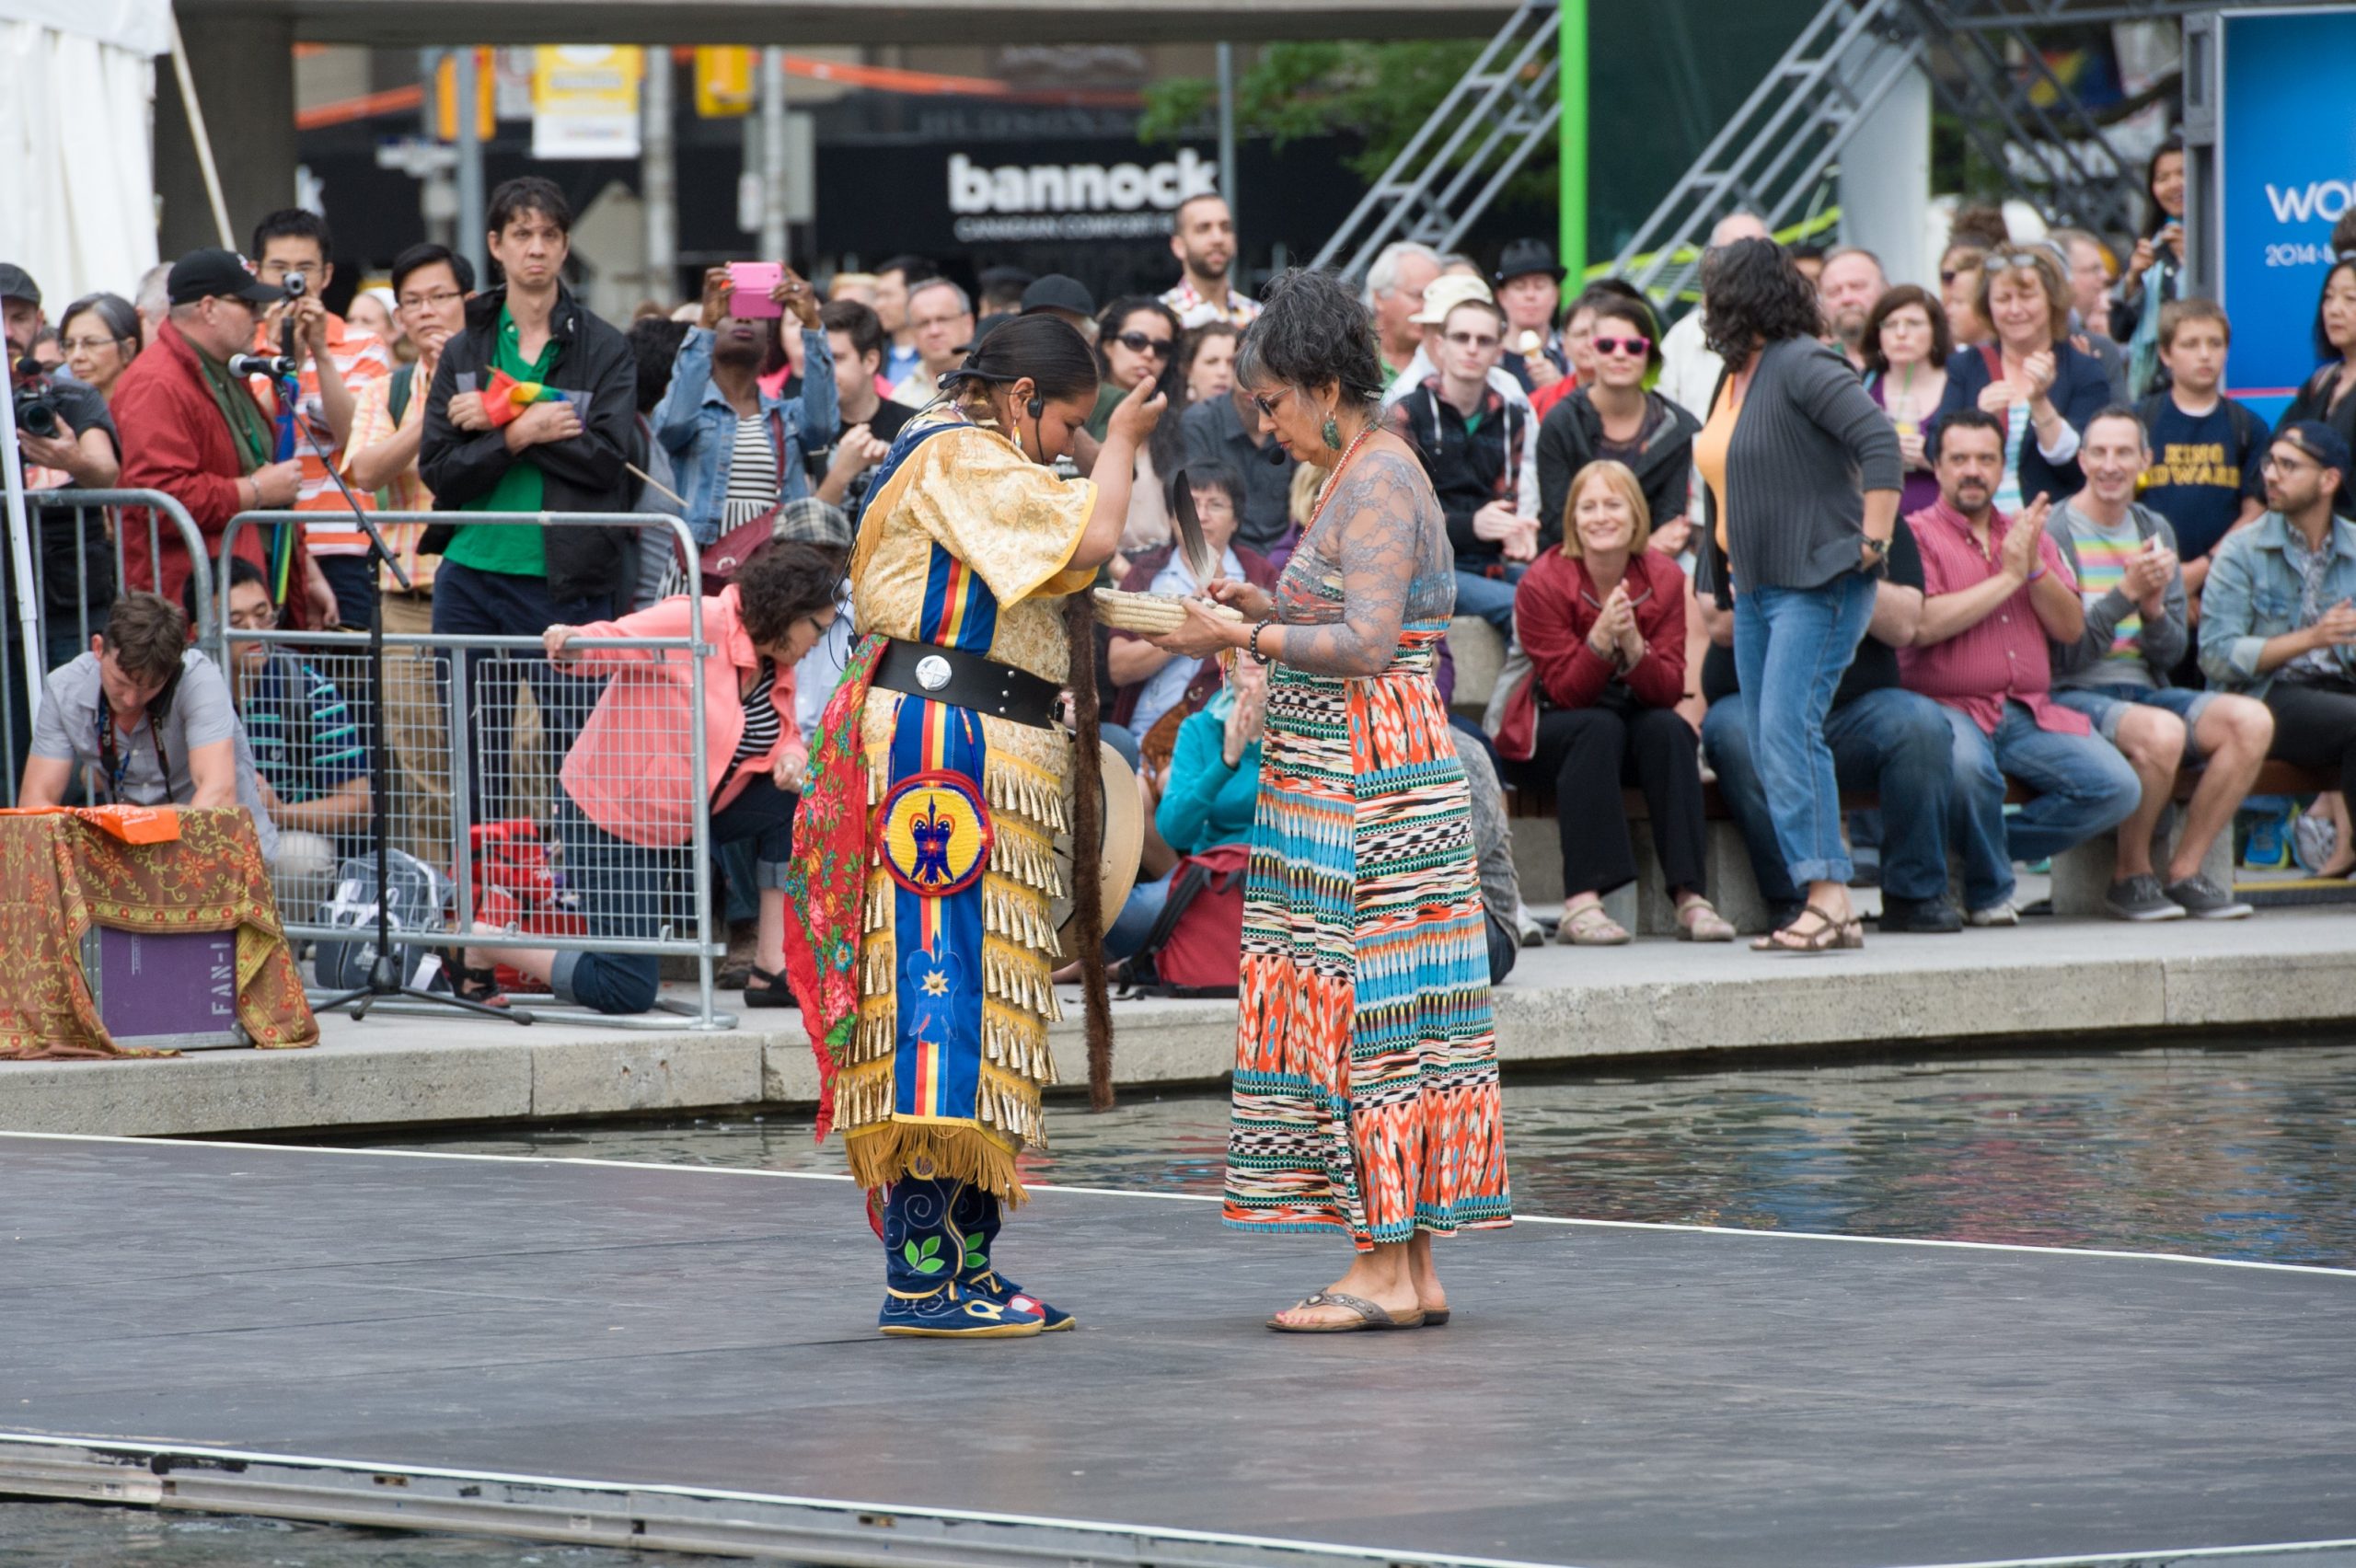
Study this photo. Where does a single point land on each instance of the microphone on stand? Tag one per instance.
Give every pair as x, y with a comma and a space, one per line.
275, 366
1276, 454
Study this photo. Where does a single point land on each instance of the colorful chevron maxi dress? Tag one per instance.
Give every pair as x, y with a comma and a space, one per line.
1366, 1074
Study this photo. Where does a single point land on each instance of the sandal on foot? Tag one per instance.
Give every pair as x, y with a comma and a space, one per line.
1590, 926
1369, 1316
1830, 933
480, 987
1698, 921
765, 989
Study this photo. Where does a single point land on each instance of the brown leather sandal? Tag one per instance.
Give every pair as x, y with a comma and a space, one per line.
1831, 934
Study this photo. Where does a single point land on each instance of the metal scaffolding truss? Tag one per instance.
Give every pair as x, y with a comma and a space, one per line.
1984, 58
1499, 113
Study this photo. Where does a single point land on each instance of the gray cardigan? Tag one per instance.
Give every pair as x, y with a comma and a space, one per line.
2164, 642
1807, 447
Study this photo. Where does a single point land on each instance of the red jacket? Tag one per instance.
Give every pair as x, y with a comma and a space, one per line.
1555, 607
175, 440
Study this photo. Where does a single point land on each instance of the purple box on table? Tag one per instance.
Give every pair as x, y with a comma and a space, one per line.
167, 989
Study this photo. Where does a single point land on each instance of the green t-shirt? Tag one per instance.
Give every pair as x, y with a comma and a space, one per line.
509, 549
1108, 397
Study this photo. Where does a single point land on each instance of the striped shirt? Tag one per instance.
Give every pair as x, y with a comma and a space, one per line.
2104, 555
363, 361
752, 475
372, 422
304, 738
763, 724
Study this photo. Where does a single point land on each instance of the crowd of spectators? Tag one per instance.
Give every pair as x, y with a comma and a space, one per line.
1938, 541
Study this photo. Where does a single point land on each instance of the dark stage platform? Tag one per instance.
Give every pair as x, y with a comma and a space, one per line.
686, 1358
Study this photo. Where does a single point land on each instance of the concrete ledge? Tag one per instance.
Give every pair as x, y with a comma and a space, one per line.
2044, 980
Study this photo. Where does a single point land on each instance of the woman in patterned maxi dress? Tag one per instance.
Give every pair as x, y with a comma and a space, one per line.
1366, 1078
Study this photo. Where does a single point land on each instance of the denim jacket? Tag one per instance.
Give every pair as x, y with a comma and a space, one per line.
698, 427
2253, 594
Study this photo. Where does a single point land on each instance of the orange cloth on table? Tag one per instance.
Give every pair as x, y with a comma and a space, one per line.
61, 874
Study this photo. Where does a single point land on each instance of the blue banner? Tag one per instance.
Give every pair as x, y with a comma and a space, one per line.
2287, 171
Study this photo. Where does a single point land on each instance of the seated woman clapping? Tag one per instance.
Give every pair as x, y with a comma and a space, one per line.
626, 814
1603, 621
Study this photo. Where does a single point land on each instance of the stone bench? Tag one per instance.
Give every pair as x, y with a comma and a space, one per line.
2081, 876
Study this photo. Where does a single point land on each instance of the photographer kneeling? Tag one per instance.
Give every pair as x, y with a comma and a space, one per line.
627, 808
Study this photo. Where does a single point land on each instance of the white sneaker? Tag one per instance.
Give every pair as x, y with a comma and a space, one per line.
1996, 915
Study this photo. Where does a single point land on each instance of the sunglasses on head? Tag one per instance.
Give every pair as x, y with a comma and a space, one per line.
1634, 348
2004, 259
1140, 343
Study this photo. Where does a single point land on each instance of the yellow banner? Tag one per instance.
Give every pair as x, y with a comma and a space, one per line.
584, 101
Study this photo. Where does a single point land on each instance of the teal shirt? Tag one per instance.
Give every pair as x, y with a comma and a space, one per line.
1205, 803
511, 550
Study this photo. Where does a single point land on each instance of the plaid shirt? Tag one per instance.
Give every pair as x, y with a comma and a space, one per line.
372, 422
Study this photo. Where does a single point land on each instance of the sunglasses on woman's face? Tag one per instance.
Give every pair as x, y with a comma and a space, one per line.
1140, 343
1268, 406
1634, 348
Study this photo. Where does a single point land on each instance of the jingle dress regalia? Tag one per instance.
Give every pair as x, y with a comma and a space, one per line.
1366, 1074
925, 863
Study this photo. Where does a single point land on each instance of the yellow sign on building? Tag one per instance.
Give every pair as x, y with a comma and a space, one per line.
724, 85
584, 101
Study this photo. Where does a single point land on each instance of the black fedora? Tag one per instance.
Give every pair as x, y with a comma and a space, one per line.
1524, 257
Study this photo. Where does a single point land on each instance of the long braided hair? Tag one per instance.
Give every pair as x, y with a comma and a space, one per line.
1058, 361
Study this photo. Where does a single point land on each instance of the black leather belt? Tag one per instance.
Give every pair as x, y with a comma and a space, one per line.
967, 680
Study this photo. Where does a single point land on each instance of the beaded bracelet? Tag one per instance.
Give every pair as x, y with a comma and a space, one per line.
1258, 657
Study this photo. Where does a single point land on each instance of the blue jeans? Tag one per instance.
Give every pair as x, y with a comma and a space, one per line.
1892, 741
1135, 922
624, 891
1791, 648
469, 602
1490, 599
2084, 787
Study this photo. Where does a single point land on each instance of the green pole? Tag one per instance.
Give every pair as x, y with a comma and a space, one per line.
1571, 82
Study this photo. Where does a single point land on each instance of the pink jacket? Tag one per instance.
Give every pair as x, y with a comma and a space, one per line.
631, 772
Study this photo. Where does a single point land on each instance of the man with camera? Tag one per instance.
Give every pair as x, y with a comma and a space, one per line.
335, 364
66, 440
62, 426
195, 431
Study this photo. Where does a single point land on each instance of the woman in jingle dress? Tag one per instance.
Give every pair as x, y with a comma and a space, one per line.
1366, 1076
920, 944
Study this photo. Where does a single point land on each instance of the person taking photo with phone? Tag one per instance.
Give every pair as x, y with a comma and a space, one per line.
740, 453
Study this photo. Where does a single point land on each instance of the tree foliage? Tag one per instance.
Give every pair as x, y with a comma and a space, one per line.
1380, 93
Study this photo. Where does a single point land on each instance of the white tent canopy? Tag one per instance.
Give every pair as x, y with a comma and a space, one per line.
76, 142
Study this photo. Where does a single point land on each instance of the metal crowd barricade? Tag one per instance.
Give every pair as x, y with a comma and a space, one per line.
447, 782
90, 508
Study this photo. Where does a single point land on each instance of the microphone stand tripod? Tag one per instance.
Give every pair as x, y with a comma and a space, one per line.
384, 981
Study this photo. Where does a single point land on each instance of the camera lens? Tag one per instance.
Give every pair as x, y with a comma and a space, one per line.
35, 415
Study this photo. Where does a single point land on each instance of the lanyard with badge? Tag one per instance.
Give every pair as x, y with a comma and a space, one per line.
116, 761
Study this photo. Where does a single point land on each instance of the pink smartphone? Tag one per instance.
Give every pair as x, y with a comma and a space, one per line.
753, 280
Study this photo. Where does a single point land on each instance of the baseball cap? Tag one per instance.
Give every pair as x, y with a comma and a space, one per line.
1524, 257
17, 283
1056, 292
2319, 441
208, 275
1447, 292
